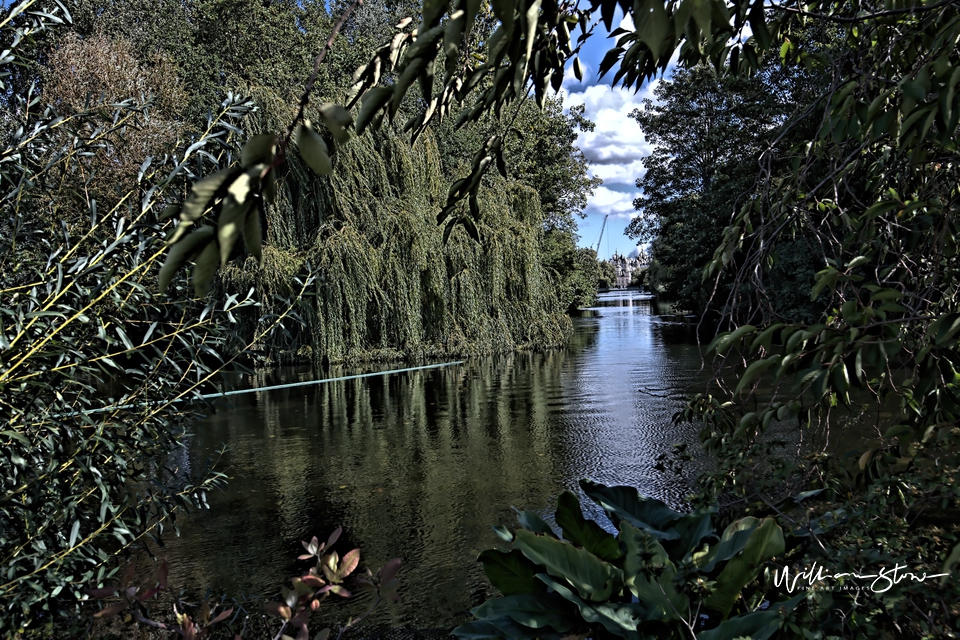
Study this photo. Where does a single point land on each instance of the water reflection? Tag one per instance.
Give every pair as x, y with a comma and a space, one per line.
419, 464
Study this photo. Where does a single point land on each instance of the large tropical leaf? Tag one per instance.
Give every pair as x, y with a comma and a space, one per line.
731, 543
619, 618
626, 503
586, 533
593, 578
510, 572
649, 573
764, 543
534, 610
758, 625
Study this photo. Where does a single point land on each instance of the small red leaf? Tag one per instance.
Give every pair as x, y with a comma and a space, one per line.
277, 609
389, 570
223, 615
350, 561
312, 581
304, 634
149, 593
301, 618
304, 556
111, 611
334, 536
101, 593
322, 635
339, 590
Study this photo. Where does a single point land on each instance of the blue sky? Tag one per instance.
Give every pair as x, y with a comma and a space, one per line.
615, 149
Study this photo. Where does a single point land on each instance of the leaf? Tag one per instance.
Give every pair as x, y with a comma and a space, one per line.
731, 543
534, 610
763, 544
532, 522
259, 149
278, 609
181, 252
313, 149
510, 572
349, 563
201, 196
375, 100
233, 213
649, 573
333, 537
758, 625
578, 69
626, 503
653, 27
590, 576
389, 570
205, 268
505, 534
252, 236
337, 119
620, 619
478, 629
586, 533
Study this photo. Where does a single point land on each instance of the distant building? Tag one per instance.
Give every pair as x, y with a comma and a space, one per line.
626, 266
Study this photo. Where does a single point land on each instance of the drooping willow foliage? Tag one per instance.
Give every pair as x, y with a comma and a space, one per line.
388, 285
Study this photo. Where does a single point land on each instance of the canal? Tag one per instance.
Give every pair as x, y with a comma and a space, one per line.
420, 464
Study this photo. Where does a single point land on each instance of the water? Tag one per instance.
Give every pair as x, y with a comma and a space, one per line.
420, 464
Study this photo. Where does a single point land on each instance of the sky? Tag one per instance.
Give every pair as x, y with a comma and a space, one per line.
615, 149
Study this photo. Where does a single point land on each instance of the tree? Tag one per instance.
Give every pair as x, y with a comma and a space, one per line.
708, 130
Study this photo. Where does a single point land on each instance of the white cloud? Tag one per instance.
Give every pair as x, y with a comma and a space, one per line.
615, 204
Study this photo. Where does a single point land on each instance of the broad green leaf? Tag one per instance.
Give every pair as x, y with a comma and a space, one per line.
653, 26
375, 100
586, 533
626, 503
593, 578
252, 235
649, 573
732, 541
534, 610
620, 619
532, 522
510, 572
764, 543
181, 252
337, 119
758, 625
259, 149
313, 149
205, 268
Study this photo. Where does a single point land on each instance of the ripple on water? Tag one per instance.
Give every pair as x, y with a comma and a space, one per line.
420, 464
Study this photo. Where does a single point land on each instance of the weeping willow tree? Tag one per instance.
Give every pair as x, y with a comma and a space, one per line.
388, 286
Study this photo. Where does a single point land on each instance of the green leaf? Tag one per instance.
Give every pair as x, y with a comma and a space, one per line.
649, 573
732, 541
532, 522
586, 533
757, 625
478, 629
337, 119
534, 610
591, 577
252, 235
626, 503
620, 619
375, 100
653, 27
201, 198
181, 252
205, 268
313, 149
763, 544
510, 572
259, 149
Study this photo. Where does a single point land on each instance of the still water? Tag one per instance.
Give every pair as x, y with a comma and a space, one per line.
420, 464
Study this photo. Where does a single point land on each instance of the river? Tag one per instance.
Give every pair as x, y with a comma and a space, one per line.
420, 464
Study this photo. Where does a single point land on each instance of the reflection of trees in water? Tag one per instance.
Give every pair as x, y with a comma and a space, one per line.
427, 461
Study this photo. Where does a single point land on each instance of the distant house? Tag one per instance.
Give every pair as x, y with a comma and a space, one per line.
627, 265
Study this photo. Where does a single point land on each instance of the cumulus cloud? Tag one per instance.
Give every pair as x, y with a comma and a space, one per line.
613, 203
